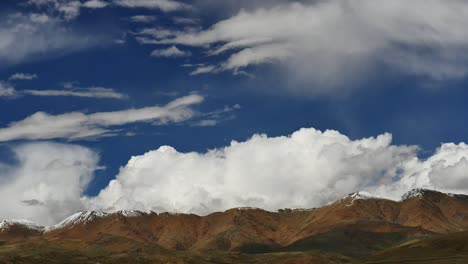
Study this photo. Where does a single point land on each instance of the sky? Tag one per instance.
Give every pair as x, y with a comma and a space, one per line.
198, 106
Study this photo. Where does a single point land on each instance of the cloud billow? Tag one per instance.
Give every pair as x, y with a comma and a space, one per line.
306, 169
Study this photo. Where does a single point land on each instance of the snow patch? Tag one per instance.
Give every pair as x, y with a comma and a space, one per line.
5, 225
415, 193
83, 217
358, 196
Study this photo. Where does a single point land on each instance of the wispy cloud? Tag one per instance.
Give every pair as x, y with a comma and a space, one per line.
78, 125
329, 43
143, 19
40, 36
7, 89
92, 92
23, 76
171, 52
163, 5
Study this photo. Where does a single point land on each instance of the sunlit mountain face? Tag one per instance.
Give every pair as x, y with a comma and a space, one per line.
201, 106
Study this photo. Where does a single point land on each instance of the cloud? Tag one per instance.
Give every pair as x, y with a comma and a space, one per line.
171, 52
331, 43
77, 125
6, 90
95, 4
163, 5
40, 36
308, 168
68, 9
23, 76
143, 19
91, 92
45, 188
203, 69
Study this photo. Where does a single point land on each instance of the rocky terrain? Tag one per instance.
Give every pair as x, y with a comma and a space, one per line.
358, 228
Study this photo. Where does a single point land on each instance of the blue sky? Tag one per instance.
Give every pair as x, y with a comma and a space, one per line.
243, 67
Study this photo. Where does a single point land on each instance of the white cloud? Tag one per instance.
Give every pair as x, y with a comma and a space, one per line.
306, 169
95, 4
91, 92
45, 188
77, 125
6, 90
69, 9
47, 37
333, 42
23, 76
143, 19
164, 5
203, 69
170, 52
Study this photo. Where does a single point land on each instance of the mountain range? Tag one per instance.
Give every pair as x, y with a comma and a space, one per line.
425, 225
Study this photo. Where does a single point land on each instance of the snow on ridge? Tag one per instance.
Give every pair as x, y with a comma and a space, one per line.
131, 213
358, 196
82, 217
7, 224
416, 193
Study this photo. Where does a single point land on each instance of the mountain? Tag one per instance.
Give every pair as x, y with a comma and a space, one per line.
354, 227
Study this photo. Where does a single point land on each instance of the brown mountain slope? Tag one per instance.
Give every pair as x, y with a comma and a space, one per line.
356, 225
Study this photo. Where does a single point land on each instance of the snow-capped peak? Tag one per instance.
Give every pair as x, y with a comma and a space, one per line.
83, 217
7, 224
131, 213
358, 196
418, 192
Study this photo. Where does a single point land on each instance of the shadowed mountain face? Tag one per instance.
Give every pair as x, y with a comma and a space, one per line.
348, 230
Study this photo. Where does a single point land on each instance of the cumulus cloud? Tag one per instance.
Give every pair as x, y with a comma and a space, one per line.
164, 5
77, 125
306, 169
45, 188
171, 52
39, 36
23, 76
333, 42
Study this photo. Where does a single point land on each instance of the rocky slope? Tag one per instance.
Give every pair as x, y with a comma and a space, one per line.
355, 225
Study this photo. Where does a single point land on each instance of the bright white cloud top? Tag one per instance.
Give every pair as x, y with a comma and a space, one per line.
306, 169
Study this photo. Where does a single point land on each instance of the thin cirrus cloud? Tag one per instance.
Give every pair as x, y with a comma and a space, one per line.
163, 5
23, 76
306, 169
71, 9
143, 19
40, 36
8, 90
91, 92
170, 52
77, 125
333, 42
